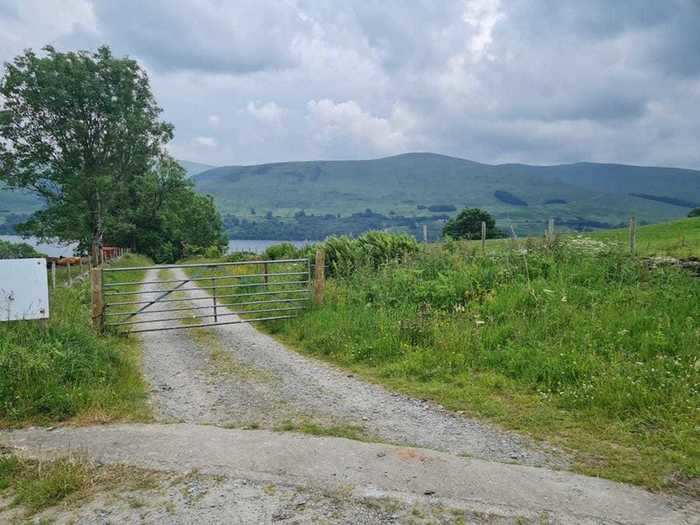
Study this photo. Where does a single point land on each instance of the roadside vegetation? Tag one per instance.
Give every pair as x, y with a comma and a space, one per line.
61, 370
570, 341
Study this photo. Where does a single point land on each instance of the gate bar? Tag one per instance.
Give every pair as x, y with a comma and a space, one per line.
202, 265
203, 298
135, 283
121, 323
202, 307
110, 294
204, 325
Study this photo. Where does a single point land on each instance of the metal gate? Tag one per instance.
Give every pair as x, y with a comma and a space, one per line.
205, 294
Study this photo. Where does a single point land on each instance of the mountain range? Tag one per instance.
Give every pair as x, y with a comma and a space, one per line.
425, 187
426, 184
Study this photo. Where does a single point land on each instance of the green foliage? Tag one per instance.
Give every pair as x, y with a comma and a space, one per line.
284, 250
19, 250
82, 131
467, 225
64, 369
694, 212
344, 255
79, 130
581, 346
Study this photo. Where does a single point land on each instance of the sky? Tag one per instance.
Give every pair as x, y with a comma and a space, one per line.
534, 81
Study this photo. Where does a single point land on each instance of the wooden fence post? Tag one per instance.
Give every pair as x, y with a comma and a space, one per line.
53, 274
425, 233
70, 275
97, 299
633, 235
483, 237
319, 276
550, 229
265, 272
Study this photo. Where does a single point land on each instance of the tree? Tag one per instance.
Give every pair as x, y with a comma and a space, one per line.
81, 130
467, 225
165, 218
694, 213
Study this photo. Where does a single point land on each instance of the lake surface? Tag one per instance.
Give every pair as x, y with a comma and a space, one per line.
259, 246
234, 245
50, 249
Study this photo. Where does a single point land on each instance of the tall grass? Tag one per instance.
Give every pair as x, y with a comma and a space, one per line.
63, 370
572, 343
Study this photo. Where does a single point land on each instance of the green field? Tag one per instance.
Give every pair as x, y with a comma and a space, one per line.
677, 238
572, 342
64, 371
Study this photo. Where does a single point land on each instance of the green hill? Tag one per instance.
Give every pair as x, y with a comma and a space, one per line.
194, 168
20, 203
425, 184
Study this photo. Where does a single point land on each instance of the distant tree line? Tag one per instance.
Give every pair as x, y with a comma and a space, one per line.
82, 130
304, 226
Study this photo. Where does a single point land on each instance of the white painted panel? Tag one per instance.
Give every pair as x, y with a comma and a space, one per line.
24, 289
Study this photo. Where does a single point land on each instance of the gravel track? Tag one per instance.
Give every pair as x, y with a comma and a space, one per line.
237, 376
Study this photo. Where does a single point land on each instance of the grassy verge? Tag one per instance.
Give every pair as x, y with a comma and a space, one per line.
63, 371
679, 239
32, 485
574, 344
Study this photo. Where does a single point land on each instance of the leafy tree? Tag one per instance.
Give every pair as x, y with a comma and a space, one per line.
80, 129
694, 213
166, 219
467, 225
20, 250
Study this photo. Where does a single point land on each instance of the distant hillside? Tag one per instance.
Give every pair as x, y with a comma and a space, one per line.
193, 168
410, 185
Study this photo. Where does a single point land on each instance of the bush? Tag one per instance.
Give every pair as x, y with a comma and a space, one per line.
284, 250
20, 250
344, 255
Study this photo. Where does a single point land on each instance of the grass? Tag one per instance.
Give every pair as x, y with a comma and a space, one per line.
680, 238
63, 371
38, 485
677, 238
306, 426
572, 342
35, 485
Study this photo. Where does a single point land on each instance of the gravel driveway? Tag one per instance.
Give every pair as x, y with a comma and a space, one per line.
236, 376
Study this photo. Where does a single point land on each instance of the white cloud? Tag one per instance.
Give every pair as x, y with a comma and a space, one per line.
348, 120
208, 142
214, 120
269, 112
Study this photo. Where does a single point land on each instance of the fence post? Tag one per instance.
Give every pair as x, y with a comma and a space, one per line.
633, 235
425, 233
550, 229
70, 276
483, 237
213, 285
53, 274
319, 276
97, 299
81, 265
265, 272
514, 238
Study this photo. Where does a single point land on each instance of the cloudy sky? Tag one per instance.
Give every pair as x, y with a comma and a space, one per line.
247, 81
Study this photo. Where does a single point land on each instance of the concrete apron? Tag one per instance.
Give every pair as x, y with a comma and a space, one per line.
368, 469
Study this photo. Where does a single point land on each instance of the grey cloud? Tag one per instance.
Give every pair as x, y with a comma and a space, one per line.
206, 36
539, 81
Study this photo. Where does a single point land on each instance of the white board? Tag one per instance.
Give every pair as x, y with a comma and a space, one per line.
24, 289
